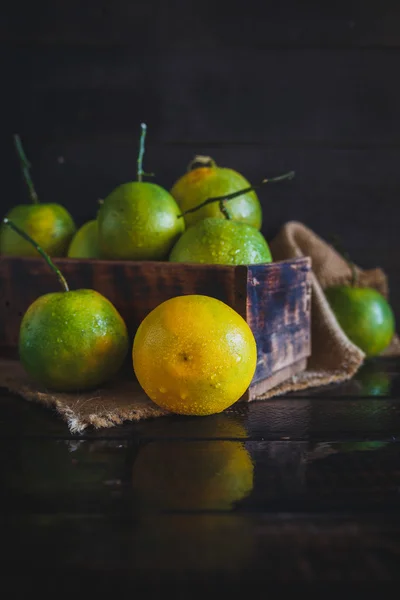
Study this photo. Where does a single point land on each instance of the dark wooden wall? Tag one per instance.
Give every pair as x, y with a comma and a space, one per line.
263, 87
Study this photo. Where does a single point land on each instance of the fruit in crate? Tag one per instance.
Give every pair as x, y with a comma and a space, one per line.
139, 220
205, 179
194, 355
70, 340
221, 241
214, 241
50, 224
85, 243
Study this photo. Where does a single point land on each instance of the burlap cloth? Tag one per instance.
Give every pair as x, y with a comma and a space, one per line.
334, 358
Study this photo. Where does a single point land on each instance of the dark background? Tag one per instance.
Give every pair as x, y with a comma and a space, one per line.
263, 87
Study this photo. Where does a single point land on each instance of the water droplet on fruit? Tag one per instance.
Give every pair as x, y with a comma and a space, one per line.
162, 389
183, 395
238, 358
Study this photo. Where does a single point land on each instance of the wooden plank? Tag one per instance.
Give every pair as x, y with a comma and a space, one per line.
276, 308
279, 314
185, 24
135, 288
303, 96
258, 388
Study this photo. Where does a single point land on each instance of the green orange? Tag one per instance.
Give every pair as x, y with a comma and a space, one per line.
221, 241
201, 183
85, 243
138, 221
364, 315
50, 225
72, 340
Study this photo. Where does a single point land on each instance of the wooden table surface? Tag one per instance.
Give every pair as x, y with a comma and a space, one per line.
302, 488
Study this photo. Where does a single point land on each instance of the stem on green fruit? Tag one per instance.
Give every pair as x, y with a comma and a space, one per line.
288, 175
141, 151
46, 257
201, 161
25, 167
224, 209
233, 195
337, 244
140, 171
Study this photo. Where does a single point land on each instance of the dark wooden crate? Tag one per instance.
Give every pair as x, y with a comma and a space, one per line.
273, 298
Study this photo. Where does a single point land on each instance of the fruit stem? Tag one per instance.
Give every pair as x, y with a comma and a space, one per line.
233, 195
140, 171
25, 167
337, 244
288, 175
46, 257
225, 211
201, 161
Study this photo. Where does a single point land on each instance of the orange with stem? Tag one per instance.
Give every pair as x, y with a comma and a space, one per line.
70, 340
50, 224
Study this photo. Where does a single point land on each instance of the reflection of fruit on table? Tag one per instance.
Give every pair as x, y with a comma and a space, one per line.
203, 475
368, 446
373, 380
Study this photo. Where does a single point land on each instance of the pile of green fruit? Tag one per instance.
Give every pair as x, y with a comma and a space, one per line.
211, 215
76, 340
